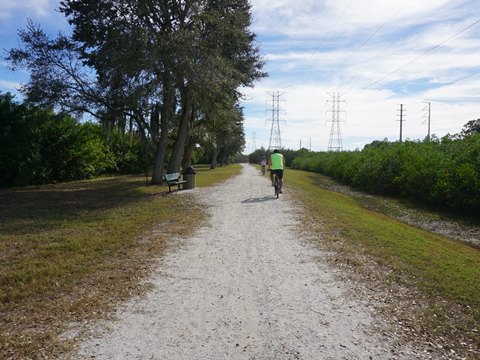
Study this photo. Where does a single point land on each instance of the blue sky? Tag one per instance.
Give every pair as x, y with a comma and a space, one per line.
377, 54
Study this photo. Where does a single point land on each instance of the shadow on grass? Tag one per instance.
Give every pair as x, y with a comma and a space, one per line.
24, 210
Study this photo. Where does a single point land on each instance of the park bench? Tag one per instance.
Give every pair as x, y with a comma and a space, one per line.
172, 180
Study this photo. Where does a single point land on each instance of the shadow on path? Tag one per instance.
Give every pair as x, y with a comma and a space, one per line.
258, 200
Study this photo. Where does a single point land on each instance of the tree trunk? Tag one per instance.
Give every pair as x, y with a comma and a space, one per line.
213, 162
190, 143
166, 120
183, 132
187, 156
155, 123
158, 165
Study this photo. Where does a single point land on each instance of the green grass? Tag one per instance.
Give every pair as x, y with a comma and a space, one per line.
68, 251
438, 269
207, 177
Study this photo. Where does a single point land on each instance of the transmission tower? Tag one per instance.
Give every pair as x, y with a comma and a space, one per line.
402, 116
275, 137
426, 116
335, 141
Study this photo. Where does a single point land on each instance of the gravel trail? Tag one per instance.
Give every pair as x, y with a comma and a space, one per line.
246, 286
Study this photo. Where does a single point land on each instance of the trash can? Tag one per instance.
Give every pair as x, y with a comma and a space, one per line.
189, 177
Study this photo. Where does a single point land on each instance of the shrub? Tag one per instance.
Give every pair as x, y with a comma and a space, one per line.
442, 172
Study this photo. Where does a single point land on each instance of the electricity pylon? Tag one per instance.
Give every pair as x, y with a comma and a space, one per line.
335, 141
275, 136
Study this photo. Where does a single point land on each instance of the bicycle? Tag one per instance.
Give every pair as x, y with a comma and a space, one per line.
263, 170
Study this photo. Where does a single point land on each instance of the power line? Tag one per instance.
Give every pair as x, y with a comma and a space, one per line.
327, 35
407, 33
370, 37
462, 78
421, 55
336, 22
418, 25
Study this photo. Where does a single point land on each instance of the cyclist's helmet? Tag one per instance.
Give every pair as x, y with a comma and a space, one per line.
275, 151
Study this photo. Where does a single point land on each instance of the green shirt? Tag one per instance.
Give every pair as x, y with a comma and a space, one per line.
277, 161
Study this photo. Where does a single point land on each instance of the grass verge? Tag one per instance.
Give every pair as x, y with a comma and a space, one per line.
70, 251
430, 284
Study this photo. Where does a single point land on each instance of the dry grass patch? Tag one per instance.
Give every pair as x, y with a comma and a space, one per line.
71, 251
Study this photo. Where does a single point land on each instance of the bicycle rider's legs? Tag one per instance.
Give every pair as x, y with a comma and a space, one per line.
279, 173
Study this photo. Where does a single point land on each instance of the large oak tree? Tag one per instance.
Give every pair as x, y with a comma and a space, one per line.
162, 63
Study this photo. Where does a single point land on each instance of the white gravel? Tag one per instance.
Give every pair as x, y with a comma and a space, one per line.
246, 286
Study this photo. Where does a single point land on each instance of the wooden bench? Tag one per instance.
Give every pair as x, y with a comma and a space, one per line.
172, 180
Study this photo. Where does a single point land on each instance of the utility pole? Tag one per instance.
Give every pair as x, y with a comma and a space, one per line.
254, 142
335, 141
426, 116
275, 137
402, 110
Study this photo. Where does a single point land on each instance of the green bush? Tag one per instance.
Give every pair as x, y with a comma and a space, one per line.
70, 150
289, 155
442, 172
38, 146
131, 153
19, 146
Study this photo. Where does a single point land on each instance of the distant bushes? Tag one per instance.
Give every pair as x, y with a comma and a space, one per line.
256, 156
442, 172
39, 146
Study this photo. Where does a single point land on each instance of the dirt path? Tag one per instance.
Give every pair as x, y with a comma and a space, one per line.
235, 291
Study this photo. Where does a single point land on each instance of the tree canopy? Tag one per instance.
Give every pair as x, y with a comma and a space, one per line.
162, 65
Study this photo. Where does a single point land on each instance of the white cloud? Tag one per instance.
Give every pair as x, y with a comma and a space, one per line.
315, 47
41, 7
10, 8
344, 17
9, 85
6, 7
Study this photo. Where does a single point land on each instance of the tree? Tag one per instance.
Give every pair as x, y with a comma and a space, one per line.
256, 156
230, 137
19, 145
58, 78
222, 57
159, 63
471, 127
38, 146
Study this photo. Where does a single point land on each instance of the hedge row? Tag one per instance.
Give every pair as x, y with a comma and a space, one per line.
442, 172
38, 146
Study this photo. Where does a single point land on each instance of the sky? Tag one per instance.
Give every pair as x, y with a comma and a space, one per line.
373, 54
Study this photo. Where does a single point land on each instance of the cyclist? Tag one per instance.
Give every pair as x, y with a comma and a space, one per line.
276, 165
264, 164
